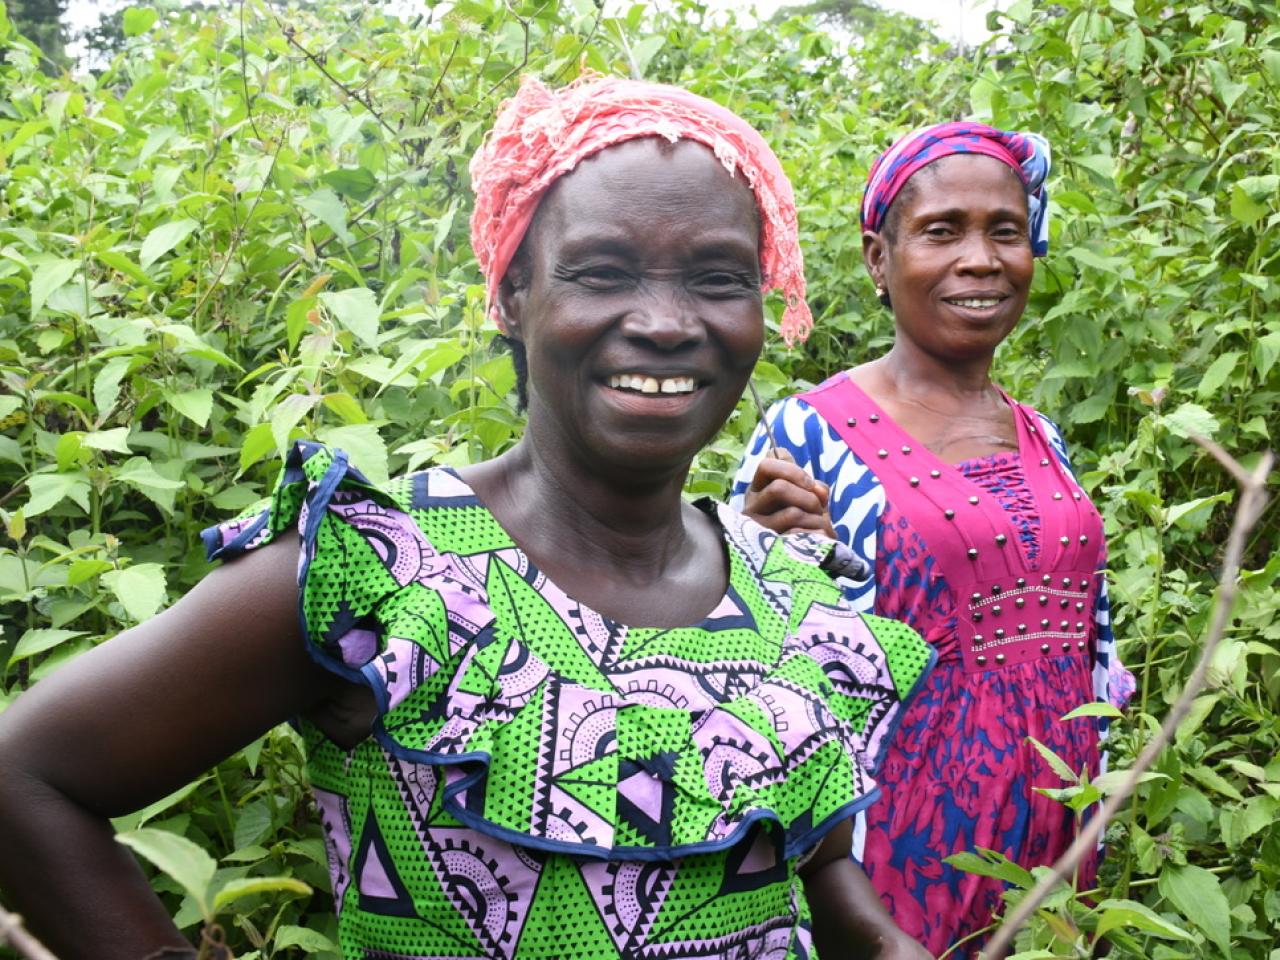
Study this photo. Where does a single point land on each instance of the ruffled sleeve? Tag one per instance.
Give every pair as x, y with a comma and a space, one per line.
554, 728
357, 549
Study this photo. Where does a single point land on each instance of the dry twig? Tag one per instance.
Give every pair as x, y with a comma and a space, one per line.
13, 933
1253, 500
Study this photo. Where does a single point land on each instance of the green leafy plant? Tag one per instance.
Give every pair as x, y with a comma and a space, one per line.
249, 225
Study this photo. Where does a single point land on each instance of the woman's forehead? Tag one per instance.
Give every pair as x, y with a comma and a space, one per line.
648, 179
968, 177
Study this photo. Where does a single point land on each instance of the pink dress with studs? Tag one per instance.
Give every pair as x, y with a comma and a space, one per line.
995, 561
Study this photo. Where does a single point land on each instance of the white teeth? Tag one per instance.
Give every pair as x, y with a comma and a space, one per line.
643, 384
976, 304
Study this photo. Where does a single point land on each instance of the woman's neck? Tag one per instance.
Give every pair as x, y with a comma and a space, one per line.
555, 509
909, 374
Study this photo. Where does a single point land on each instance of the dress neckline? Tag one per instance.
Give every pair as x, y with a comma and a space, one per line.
931, 458
733, 562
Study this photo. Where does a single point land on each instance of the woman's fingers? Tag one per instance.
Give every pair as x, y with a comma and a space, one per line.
785, 498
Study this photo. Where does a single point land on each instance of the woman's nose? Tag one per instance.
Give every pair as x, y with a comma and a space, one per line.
665, 316
978, 254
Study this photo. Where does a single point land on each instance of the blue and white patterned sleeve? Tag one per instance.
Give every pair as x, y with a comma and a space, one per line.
857, 498
1112, 681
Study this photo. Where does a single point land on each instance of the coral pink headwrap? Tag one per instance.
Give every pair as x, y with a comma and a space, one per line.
542, 134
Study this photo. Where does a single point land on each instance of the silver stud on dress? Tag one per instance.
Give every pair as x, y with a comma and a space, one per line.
999, 658
882, 453
973, 500
905, 448
949, 514
973, 553
914, 481
1001, 539
935, 474
874, 418
852, 422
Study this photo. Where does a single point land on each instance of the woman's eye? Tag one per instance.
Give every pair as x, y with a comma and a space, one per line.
602, 277
938, 231
723, 281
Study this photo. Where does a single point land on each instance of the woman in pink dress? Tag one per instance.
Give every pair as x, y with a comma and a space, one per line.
961, 503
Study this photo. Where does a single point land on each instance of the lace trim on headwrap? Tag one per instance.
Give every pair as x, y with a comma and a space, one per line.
1026, 153
541, 134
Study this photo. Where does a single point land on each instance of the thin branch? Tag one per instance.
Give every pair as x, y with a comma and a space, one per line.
244, 76
350, 92
239, 233
1253, 500
16, 935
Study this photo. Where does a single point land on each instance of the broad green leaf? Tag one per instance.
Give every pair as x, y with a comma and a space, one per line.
257, 443
1217, 374
1199, 897
106, 385
138, 20
1113, 914
187, 863
39, 640
1194, 719
1097, 709
1193, 514
287, 415
164, 238
346, 407
1266, 353
990, 863
140, 588
131, 821
364, 445
1245, 208
327, 207
1058, 765
1191, 418
141, 475
50, 489
196, 404
114, 440
234, 890
288, 935
354, 182
356, 310
252, 824
48, 277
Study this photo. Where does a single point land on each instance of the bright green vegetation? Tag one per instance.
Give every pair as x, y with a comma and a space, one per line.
248, 229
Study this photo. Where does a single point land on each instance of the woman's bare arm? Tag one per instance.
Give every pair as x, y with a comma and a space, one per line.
849, 920
129, 722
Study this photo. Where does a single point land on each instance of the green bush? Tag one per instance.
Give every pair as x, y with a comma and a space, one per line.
252, 225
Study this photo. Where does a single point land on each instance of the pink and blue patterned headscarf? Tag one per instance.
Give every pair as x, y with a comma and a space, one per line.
1026, 153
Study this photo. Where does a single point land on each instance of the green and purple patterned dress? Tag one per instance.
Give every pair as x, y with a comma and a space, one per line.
543, 782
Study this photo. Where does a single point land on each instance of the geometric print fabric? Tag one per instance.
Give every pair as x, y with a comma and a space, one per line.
545, 782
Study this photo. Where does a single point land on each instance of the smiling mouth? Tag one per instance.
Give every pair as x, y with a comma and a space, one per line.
639, 383
975, 303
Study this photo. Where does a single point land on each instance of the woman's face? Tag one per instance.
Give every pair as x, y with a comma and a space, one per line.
637, 297
958, 266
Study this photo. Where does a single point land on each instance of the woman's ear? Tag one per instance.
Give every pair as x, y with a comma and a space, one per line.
513, 291
873, 254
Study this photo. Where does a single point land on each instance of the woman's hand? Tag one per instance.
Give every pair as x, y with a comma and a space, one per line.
849, 920
785, 499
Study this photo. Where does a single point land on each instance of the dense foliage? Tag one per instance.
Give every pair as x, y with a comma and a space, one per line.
251, 226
